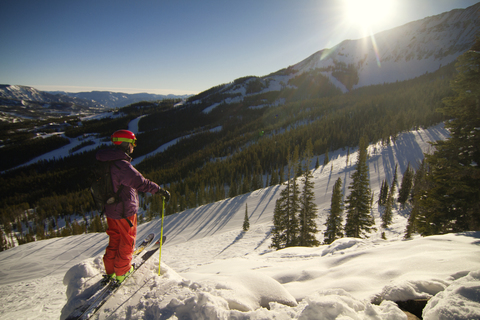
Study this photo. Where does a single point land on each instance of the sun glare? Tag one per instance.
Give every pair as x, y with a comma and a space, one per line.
367, 13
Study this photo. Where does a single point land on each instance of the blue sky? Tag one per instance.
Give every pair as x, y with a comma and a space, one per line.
179, 47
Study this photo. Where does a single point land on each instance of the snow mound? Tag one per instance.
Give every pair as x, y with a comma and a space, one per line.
342, 244
409, 290
169, 294
460, 300
338, 304
82, 280
251, 290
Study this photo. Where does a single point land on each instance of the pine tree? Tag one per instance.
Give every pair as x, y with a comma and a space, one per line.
274, 178
246, 183
155, 207
419, 185
293, 228
406, 186
382, 198
334, 222
220, 191
246, 222
410, 228
257, 182
279, 230
285, 221
232, 192
2, 241
201, 193
278, 235
359, 221
281, 175
40, 230
51, 231
453, 197
308, 208
388, 213
7, 227
393, 187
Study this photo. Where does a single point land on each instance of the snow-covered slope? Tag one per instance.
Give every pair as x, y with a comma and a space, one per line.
211, 269
404, 52
398, 54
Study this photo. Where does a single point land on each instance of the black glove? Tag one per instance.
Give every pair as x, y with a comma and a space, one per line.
165, 194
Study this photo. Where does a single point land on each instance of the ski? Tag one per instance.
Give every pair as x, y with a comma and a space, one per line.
98, 300
102, 285
145, 243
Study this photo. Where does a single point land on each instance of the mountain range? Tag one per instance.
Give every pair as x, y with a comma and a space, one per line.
22, 102
118, 99
397, 54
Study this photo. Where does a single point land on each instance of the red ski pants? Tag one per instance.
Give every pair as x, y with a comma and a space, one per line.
119, 253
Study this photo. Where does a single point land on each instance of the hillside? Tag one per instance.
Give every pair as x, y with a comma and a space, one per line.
398, 54
209, 266
401, 53
231, 143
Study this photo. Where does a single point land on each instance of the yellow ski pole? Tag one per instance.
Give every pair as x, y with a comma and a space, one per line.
161, 236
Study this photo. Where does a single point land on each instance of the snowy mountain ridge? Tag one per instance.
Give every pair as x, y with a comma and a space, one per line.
119, 99
397, 54
24, 93
22, 102
17, 102
100, 99
404, 52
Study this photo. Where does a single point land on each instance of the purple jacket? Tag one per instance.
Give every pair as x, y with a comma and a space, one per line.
123, 173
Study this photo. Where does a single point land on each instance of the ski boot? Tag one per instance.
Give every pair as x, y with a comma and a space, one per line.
120, 279
107, 278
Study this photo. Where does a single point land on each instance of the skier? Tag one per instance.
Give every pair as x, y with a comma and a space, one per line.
122, 215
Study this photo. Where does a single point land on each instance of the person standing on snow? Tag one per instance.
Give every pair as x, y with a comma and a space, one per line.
122, 215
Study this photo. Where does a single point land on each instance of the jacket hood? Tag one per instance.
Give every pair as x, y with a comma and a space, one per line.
112, 155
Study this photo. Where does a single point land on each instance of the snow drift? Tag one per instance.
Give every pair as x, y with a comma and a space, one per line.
328, 283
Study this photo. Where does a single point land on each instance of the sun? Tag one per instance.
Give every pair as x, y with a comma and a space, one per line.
367, 13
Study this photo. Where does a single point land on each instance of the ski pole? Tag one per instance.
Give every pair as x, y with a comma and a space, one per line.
161, 236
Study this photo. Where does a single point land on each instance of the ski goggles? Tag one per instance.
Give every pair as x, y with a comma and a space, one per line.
132, 141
